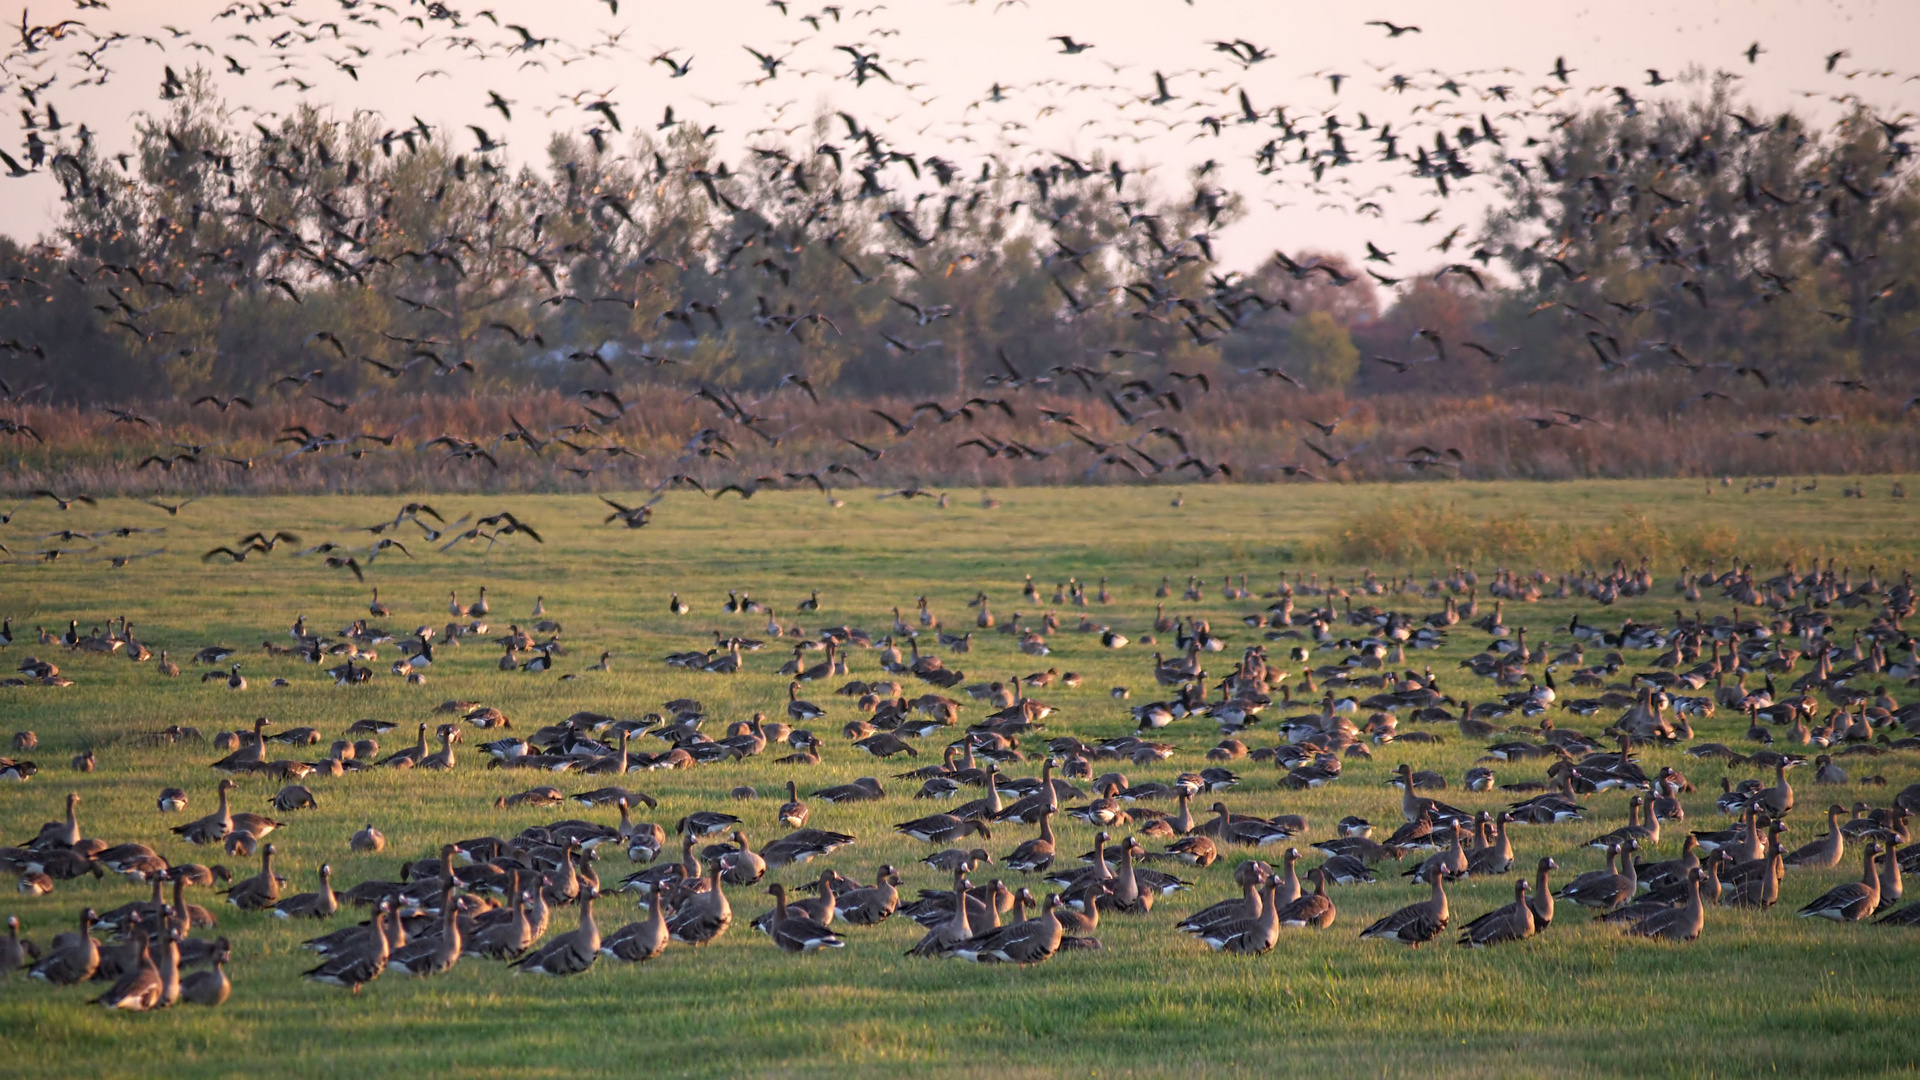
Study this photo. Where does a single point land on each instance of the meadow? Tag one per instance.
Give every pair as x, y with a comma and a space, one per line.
1758, 992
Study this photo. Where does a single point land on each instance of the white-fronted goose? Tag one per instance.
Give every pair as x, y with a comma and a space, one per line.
1682, 923
1756, 883
1513, 922
1252, 876
355, 968
368, 839
260, 891
792, 813
1314, 909
962, 860
1035, 855
72, 960
802, 845
140, 988
15, 951
952, 931
312, 905
873, 904
638, 942
705, 916
507, 940
1414, 924
1029, 941
794, 931
438, 953
1248, 936
1852, 901
1606, 889
1891, 887
210, 988
942, 828
1826, 852
742, 866
571, 953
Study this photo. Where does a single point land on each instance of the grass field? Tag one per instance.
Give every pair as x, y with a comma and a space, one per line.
1760, 992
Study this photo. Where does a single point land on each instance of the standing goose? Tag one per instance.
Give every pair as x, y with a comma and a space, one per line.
873, 904
210, 988
1029, 941
60, 834
312, 905
795, 932
571, 953
1035, 855
1514, 922
358, 967
1252, 936
434, 955
744, 866
1685, 922
1826, 852
950, 932
1252, 877
636, 943
72, 961
705, 917
1852, 901
1609, 888
140, 988
261, 890
14, 951
1415, 924
507, 940
1756, 883
1315, 909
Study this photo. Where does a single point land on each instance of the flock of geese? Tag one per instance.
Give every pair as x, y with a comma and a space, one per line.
496, 897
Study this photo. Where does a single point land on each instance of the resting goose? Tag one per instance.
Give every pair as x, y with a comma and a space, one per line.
942, 828
944, 936
1252, 877
434, 955
1609, 888
1514, 922
369, 839
140, 988
507, 940
571, 953
793, 812
1852, 901
1414, 924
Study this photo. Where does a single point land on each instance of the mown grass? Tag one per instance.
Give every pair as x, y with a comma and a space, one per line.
1760, 992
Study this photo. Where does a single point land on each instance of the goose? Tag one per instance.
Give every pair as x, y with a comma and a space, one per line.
706, 823
1609, 888
1252, 876
1314, 909
742, 866
368, 839
874, 904
942, 828
1514, 922
1826, 852
15, 951
435, 955
792, 813
210, 988
357, 967
73, 960
801, 711
794, 932
1891, 887
140, 988
570, 953
957, 859
507, 940
1250, 935
1756, 883
260, 891
803, 845
60, 834
1852, 901
704, 917
955, 930
1029, 941
636, 943
313, 905
1683, 923
1414, 924
1035, 855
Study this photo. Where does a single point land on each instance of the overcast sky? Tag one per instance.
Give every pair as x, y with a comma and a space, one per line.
945, 58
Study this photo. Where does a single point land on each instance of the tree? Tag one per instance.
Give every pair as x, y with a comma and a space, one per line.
1322, 351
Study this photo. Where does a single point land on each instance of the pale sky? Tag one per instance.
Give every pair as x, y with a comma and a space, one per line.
944, 58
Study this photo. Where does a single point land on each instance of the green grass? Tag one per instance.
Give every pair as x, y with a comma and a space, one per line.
1759, 992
